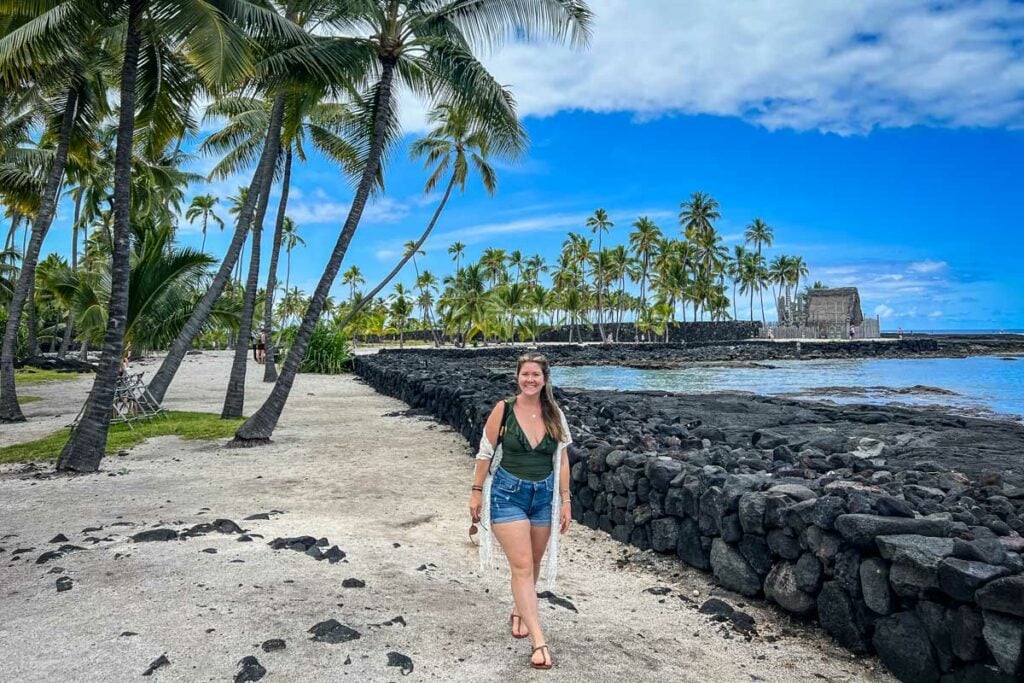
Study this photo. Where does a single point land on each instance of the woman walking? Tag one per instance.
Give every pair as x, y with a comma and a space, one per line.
521, 489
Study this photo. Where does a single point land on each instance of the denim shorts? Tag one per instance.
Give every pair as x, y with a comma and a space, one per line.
513, 499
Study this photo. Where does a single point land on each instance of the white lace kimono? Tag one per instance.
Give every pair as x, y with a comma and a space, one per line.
488, 547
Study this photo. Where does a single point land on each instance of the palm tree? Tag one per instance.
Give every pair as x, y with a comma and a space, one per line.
290, 239
494, 261
307, 116
644, 240
458, 142
600, 224
207, 38
760, 234
698, 214
427, 47
64, 82
352, 277
202, 207
456, 251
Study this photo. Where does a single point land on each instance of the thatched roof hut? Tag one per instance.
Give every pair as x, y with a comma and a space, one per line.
839, 305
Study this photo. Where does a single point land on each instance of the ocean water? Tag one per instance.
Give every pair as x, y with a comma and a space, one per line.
985, 385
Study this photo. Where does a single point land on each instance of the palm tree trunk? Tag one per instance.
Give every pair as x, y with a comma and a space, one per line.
234, 398
195, 324
70, 320
15, 220
84, 450
202, 247
269, 364
367, 298
9, 410
31, 324
259, 427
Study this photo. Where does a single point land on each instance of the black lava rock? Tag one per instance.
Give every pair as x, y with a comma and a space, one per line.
156, 664
155, 535
353, 583
64, 583
331, 631
401, 661
251, 670
273, 645
903, 646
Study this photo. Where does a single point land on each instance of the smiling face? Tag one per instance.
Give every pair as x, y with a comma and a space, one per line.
531, 378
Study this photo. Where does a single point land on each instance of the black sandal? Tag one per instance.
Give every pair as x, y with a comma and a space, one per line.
515, 628
550, 662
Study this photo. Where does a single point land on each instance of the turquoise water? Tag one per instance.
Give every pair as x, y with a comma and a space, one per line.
982, 384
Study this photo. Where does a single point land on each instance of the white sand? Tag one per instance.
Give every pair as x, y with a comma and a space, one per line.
337, 468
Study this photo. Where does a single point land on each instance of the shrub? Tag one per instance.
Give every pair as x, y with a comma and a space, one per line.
329, 351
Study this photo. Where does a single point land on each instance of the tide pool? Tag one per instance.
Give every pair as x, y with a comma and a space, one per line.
985, 384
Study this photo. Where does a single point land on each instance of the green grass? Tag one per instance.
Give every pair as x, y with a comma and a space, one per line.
22, 400
206, 426
26, 376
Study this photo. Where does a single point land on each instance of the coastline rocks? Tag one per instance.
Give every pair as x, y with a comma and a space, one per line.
1003, 595
1005, 639
904, 648
861, 530
783, 587
898, 527
732, 570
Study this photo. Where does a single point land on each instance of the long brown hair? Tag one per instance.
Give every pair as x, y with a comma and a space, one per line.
549, 409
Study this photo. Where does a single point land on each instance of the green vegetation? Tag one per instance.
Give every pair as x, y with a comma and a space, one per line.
26, 376
205, 426
329, 352
28, 399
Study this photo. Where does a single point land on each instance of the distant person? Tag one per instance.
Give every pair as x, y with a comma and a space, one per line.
261, 347
899, 332
771, 334
521, 489
853, 331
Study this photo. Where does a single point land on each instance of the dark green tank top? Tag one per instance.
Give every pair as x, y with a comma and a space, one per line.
518, 458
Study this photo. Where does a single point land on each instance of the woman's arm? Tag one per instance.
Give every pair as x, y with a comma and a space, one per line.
483, 462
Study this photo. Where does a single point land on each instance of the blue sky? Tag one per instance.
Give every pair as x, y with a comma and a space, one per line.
883, 142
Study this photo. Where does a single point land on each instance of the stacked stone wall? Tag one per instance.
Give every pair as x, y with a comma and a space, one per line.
918, 563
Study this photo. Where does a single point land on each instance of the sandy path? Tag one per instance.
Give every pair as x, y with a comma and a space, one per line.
391, 492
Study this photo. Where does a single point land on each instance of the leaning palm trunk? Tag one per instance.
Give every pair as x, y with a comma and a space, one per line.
9, 410
234, 399
84, 450
31, 323
258, 428
269, 363
192, 328
401, 264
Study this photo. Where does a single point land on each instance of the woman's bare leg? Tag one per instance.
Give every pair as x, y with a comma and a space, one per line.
517, 543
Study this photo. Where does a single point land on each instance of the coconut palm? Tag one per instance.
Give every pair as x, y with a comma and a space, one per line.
353, 277
459, 142
600, 224
644, 240
202, 207
309, 117
208, 42
456, 251
698, 214
290, 239
61, 88
760, 234
427, 47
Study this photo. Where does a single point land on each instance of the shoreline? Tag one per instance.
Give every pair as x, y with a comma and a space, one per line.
871, 518
388, 490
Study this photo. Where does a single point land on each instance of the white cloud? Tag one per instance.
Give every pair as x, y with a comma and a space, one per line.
387, 254
925, 267
322, 209
935, 315
844, 67
883, 311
